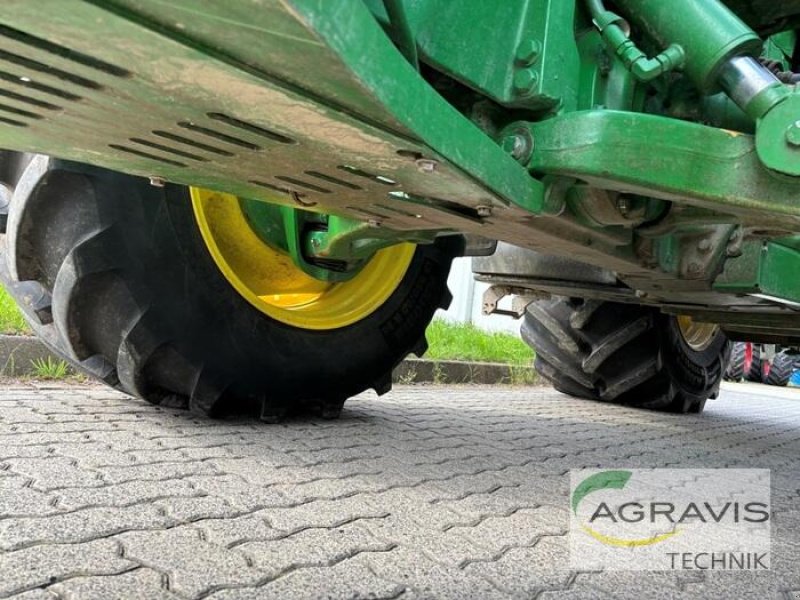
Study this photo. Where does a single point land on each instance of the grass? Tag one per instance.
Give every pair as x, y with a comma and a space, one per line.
449, 341
48, 368
11, 321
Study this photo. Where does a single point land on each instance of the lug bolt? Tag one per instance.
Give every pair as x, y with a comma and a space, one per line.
793, 134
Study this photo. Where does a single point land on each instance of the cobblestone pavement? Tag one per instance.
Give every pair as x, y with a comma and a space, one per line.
429, 492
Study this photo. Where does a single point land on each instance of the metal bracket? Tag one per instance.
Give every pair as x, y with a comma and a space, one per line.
522, 299
615, 150
479, 246
765, 270
346, 240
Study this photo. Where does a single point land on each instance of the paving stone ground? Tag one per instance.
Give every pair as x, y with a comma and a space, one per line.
429, 492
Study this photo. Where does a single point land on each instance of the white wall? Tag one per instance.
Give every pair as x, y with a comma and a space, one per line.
468, 300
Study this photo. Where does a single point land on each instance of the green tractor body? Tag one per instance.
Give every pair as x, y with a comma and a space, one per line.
645, 159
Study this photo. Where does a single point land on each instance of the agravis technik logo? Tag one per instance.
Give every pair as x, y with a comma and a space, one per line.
670, 519
610, 480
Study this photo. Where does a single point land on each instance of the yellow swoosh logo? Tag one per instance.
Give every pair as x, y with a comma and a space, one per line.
622, 543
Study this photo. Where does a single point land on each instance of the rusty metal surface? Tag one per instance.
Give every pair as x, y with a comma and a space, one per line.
141, 102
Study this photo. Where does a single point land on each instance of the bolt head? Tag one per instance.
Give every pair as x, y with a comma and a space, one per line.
704, 245
426, 165
793, 134
528, 52
519, 144
512, 144
484, 211
516, 146
733, 252
526, 82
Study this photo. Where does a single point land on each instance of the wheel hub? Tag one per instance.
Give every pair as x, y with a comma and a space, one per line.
269, 280
698, 336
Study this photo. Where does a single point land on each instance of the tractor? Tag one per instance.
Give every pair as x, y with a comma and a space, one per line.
762, 363
253, 205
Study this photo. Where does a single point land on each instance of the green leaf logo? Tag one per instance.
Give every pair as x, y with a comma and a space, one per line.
599, 481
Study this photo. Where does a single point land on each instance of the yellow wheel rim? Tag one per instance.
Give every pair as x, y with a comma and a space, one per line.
270, 281
698, 336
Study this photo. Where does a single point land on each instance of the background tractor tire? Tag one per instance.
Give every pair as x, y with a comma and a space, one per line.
735, 370
622, 353
114, 276
752, 363
779, 371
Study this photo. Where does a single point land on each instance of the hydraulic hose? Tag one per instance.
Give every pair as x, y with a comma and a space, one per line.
613, 29
401, 31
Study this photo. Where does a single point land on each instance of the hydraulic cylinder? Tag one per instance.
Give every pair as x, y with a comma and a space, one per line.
709, 33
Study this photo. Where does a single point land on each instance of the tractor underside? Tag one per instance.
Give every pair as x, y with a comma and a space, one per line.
347, 126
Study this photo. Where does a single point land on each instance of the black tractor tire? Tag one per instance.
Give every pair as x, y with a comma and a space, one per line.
779, 371
622, 353
735, 370
113, 275
753, 368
